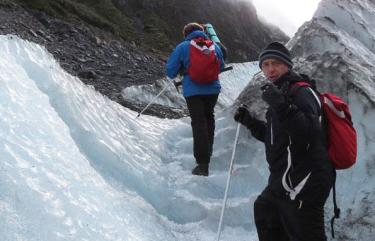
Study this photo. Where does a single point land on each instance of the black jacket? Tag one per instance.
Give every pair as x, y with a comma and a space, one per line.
295, 143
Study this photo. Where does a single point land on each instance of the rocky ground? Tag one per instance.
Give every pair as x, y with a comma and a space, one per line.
98, 58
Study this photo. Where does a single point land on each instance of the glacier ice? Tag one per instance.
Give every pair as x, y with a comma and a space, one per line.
77, 166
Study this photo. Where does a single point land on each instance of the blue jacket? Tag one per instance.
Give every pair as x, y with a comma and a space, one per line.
180, 58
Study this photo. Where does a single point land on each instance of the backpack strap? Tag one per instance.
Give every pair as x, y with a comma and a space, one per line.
297, 85
336, 210
294, 87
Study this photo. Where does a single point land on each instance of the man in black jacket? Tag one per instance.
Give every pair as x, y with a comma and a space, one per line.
291, 207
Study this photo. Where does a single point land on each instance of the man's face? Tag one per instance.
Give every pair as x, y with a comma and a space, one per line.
273, 69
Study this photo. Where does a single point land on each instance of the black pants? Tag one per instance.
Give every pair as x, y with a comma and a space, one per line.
281, 219
201, 109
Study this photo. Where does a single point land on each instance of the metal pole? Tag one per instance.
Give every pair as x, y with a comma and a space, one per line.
153, 100
228, 181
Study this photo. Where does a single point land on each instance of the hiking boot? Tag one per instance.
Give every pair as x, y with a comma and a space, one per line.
200, 170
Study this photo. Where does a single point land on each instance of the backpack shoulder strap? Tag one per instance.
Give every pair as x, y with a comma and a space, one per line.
294, 87
336, 210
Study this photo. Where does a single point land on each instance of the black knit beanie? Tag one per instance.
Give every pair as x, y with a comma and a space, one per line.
278, 51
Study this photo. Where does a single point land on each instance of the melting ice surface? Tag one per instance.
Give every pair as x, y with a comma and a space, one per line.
76, 166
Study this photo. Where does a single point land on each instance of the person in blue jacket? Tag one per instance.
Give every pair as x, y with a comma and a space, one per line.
200, 98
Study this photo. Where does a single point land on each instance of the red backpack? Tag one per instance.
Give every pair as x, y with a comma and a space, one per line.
342, 137
204, 67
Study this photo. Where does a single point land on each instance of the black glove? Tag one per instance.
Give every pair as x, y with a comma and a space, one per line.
273, 96
242, 115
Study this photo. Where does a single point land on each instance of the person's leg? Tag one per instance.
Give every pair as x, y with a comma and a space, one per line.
304, 219
311, 211
288, 211
311, 216
196, 108
210, 102
267, 221
303, 222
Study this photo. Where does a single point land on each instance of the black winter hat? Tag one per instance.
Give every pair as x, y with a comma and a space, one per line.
278, 51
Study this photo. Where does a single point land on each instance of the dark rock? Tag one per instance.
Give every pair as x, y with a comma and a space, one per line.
231, 19
42, 17
33, 33
87, 74
99, 58
41, 33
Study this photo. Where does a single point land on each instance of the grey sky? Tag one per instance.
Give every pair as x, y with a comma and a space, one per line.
288, 15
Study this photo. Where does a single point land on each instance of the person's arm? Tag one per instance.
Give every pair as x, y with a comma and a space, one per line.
256, 127
224, 50
173, 65
220, 56
301, 119
300, 116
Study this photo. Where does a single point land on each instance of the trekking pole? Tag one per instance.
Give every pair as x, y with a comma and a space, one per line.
153, 100
228, 181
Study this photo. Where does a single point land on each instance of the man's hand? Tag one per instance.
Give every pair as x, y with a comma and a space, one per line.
242, 115
273, 96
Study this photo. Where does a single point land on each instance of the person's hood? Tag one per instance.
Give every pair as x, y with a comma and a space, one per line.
196, 34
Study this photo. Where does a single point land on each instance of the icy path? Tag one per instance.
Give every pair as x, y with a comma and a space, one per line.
76, 166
